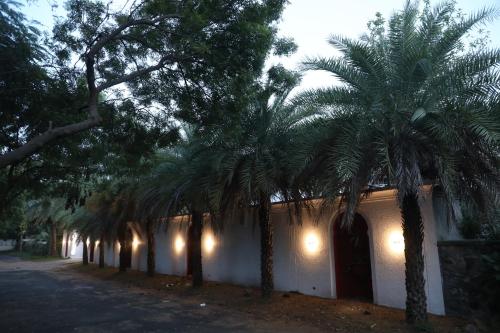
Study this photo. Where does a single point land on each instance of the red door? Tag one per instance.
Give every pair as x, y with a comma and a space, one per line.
352, 260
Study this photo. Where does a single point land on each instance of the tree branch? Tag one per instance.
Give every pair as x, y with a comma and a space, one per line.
131, 76
94, 118
39, 141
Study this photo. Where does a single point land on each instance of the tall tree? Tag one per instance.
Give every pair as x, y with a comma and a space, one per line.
114, 48
251, 157
412, 109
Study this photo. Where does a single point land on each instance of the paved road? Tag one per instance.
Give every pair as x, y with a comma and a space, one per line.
37, 297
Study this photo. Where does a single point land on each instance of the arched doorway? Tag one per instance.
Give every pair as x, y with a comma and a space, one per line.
352, 260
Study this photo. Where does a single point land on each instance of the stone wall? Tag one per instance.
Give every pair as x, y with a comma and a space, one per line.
470, 287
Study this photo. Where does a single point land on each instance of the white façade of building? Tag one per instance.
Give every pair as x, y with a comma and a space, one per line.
304, 255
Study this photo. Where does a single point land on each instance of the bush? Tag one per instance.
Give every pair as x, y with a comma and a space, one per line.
39, 246
470, 227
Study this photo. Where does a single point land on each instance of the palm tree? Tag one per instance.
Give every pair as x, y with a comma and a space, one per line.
51, 212
105, 216
412, 109
179, 184
251, 156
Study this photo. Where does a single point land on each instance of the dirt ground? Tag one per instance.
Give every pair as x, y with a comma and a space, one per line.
324, 314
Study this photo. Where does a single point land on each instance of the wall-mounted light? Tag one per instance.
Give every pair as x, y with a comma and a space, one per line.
135, 243
396, 242
179, 244
88, 242
311, 243
209, 243
96, 243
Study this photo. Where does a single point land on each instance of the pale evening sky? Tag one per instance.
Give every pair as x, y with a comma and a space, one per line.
310, 22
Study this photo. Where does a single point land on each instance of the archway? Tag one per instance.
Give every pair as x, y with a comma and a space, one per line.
352, 260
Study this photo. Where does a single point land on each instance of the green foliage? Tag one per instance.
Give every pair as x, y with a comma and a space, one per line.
470, 227
411, 109
38, 246
225, 44
250, 153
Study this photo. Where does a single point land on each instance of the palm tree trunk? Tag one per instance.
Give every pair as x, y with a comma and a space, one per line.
53, 238
197, 223
85, 255
19, 242
151, 248
123, 245
92, 248
266, 246
67, 245
101, 252
413, 232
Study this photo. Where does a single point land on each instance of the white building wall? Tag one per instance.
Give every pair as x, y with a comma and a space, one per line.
75, 247
235, 256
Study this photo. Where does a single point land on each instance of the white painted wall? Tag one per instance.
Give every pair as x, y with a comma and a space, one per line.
75, 248
7, 244
235, 257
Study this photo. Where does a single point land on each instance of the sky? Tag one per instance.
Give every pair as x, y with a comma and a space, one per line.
310, 23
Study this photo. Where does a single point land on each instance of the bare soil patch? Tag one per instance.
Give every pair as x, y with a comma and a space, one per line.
325, 314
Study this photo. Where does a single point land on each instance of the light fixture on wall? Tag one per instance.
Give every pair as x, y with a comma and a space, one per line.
209, 243
135, 243
96, 243
396, 242
179, 244
88, 241
311, 242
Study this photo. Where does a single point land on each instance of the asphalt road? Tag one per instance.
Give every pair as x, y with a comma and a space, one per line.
39, 297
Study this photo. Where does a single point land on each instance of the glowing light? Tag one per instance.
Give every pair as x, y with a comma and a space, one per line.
396, 242
209, 243
179, 244
88, 241
135, 243
119, 245
311, 242
96, 243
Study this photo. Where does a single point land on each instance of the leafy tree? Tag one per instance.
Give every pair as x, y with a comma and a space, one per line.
114, 48
69, 167
412, 110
